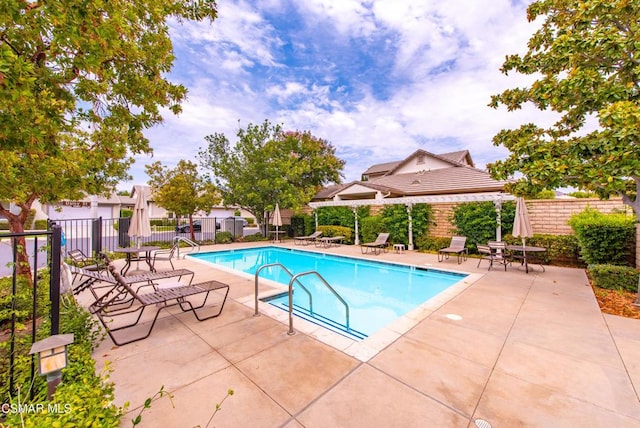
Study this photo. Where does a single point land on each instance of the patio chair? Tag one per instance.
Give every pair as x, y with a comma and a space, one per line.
79, 259
306, 240
123, 322
164, 255
380, 244
495, 252
457, 246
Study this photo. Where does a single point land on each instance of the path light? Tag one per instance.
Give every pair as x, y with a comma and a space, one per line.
52, 358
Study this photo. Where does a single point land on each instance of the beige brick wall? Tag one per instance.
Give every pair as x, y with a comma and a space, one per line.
551, 215
548, 216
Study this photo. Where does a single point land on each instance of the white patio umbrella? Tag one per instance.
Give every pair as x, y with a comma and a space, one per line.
276, 220
522, 225
140, 225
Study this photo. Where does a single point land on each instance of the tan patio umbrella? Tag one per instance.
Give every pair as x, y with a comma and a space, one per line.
140, 225
276, 220
522, 225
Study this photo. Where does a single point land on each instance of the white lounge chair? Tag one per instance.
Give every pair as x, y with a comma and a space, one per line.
306, 240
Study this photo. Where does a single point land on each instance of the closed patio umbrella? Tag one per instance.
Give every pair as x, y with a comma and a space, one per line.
276, 220
522, 225
140, 225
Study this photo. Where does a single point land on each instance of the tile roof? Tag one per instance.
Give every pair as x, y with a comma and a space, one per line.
329, 191
382, 167
458, 157
461, 179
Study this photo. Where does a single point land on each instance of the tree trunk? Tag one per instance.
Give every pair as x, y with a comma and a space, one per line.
191, 232
637, 301
16, 225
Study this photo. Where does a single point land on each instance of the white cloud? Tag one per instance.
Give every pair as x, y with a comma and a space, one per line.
376, 78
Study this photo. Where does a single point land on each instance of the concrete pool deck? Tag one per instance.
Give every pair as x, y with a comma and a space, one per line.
510, 348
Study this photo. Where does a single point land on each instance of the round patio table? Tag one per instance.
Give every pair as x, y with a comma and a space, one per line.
525, 249
131, 251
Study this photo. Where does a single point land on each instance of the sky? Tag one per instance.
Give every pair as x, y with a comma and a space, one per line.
378, 79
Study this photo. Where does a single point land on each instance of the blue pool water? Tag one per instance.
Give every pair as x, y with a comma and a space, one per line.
377, 293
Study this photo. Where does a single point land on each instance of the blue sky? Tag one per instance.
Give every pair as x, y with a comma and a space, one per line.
377, 79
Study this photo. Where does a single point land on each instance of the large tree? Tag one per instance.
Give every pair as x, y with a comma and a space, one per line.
587, 56
268, 165
182, 189
79, 83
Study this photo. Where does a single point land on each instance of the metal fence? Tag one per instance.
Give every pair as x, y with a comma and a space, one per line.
40, 246
93, 235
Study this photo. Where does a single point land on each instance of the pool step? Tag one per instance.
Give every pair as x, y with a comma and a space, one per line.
321, 321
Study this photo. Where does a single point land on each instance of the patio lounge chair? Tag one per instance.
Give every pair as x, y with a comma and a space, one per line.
306, 240
380, 244
457, 246
97, 282
123, 322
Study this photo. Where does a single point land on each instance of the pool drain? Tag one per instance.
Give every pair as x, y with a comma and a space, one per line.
481, 423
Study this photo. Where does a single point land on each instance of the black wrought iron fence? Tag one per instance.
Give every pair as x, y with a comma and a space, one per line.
93, 235
43, 250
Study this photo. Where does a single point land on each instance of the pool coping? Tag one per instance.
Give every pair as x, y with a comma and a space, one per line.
362, 350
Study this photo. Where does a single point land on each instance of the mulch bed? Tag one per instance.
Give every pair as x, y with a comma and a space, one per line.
617, 302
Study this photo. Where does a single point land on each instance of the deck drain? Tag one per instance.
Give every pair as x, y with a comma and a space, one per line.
481, 423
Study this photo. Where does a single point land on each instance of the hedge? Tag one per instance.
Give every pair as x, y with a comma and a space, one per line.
604, 238
328, 231
614, 277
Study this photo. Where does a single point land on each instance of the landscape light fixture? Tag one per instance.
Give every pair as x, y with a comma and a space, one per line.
52, 358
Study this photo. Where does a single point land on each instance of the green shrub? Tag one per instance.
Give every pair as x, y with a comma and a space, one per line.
544, 194
341, 216
224, 238
604, 238
396, 221
431, 243
614, 277
23, 299
162, 222
124, 212
328, 231
41, 224
370, 227
84, 398
302, 224
562, 250
253, 238
4, 225
478, 221
582, 194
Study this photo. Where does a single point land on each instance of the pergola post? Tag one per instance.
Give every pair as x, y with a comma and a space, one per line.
498, 205
315, 214
409, 209
356, 240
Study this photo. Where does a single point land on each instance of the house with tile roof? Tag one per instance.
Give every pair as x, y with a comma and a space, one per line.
420, 174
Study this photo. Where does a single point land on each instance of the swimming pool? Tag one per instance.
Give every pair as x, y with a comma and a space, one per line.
377, 293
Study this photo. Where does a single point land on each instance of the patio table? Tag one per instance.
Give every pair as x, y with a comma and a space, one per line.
275, 235
133, 254
525, 250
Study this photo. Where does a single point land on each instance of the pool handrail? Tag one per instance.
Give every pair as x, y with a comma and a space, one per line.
257, 274
335, 293
195, 247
